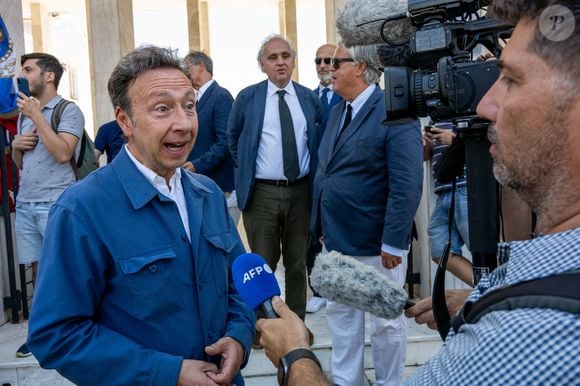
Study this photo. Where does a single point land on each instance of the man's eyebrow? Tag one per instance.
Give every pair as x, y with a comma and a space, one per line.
504, 66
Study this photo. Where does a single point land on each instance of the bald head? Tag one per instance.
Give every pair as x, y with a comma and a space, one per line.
322, 61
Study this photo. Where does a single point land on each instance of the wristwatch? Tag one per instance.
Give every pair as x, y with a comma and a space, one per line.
287, 360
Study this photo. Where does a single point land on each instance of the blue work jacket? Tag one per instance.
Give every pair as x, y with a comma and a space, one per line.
122, 295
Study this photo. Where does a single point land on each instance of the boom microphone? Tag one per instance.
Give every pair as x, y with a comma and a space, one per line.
345, 280
255, 282
360, 22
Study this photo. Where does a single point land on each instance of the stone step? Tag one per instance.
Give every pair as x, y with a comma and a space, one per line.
419, 350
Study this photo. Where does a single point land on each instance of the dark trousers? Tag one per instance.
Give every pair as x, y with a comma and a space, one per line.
277, 220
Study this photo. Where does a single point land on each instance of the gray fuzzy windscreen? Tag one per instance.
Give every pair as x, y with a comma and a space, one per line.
357, 12
346, 280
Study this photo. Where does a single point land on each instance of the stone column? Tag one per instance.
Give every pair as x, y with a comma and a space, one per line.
110, 34
332, 8
287, 12
198, 25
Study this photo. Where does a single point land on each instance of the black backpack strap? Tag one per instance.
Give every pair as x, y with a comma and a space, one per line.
558, 292
57, 113
55, 121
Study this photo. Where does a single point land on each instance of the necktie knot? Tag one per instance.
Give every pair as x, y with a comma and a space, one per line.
281, 93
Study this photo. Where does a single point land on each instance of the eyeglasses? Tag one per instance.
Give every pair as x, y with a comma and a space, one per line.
320, 60
336, 61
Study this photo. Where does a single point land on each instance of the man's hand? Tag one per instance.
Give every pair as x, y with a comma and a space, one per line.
423, 310
29, 106
282, 335
390, 261
26, 141
436, 134
195, 373
232, 353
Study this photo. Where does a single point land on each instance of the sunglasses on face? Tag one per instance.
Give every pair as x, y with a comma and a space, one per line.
336, 62
320, 60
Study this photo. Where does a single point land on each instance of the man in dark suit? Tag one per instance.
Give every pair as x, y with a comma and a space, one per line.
273, 135
210, 155
328, 99
366, 192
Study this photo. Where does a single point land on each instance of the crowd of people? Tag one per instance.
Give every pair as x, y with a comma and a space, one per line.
135, 259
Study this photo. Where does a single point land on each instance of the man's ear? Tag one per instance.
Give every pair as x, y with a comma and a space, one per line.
49, 77
125, 121
361, 68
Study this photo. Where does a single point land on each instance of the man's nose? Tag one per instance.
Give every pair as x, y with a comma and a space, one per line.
488, 106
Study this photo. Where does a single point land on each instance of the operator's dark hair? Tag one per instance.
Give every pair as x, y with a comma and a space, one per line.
135, 63
195, 57
562, 56
46, 62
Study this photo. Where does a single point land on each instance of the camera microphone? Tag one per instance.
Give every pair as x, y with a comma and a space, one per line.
345, 280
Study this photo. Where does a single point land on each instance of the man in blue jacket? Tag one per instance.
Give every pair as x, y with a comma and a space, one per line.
273, 135
366, 192
328, 99
147, 299
210, 155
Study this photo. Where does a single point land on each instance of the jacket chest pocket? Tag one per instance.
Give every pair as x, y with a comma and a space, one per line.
151, 279
220, 246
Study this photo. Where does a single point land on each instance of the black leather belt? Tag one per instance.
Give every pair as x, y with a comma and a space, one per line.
282, 182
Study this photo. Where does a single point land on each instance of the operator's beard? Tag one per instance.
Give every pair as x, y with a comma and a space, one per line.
542, 179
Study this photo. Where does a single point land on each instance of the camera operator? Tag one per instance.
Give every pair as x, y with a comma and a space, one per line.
535, 110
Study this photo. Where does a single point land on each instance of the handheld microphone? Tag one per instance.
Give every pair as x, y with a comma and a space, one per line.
345, 280
360, 22
256, 283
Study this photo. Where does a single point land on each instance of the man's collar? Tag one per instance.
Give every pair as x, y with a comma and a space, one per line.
272, 88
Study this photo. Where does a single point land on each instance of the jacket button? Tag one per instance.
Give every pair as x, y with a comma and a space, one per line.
153, 268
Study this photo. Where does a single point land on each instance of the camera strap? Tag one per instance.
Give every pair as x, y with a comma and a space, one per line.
439, 305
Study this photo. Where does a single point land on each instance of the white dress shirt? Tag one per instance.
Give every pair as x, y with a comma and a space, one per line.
173, 190
270, 163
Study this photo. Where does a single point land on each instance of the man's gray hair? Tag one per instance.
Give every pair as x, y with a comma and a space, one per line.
195, 57
366, 54
135, 63
268, 39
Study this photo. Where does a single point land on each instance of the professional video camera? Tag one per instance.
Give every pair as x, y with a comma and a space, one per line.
441, 78
427, 49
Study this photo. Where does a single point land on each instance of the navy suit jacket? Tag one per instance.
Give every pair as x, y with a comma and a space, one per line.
210, 154
367, 188
245, 132
326, 111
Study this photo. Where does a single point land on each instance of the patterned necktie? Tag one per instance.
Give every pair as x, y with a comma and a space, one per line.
289, 149
347, 119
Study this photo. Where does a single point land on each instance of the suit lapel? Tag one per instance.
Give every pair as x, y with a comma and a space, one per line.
356, 123
206, 96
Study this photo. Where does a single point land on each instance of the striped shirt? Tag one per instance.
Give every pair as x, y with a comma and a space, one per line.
520, 347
